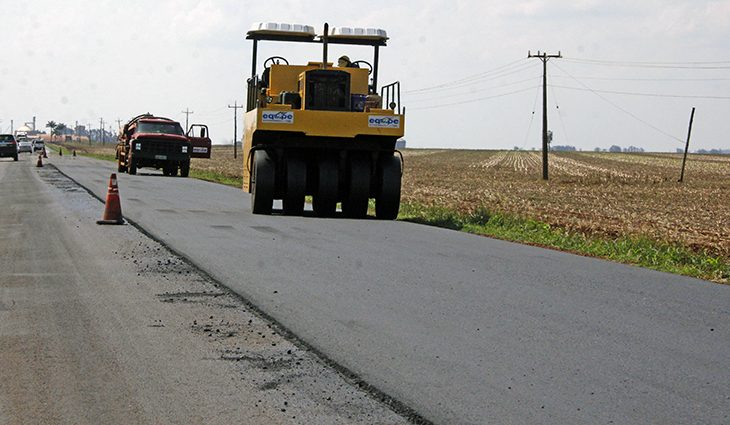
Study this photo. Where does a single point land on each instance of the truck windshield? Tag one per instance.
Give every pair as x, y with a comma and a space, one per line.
160, 128
6, 138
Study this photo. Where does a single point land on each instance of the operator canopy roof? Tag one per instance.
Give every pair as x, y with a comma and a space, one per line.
300, 32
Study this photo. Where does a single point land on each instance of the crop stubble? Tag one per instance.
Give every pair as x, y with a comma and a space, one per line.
604, 194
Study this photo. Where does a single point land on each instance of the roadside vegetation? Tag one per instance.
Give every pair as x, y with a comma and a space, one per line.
621, 207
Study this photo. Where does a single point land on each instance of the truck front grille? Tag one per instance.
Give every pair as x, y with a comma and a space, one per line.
161, 147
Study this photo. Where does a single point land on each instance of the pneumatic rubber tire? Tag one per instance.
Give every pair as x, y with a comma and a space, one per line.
355, 204
324, 201
387, 203
296, 183
132, 166
262, 183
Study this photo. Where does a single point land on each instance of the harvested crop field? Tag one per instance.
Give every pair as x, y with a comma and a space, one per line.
601, 194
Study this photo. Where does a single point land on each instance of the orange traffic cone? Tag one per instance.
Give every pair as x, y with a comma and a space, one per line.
40, 161
45, 155
60, 151
113, 209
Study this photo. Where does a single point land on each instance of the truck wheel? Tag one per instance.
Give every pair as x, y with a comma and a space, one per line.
262, 183
170, 169
387, 203
185, 168
296, 183
324, 201
132, 166
15, 158
355, 204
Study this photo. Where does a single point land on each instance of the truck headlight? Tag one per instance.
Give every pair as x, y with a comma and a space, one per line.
184, 149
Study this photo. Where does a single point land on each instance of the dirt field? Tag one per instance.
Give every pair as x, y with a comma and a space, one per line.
605, 194
594, 193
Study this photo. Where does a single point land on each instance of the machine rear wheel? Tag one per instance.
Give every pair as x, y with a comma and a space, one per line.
262, 183
296, 183
324, 201
387, 203
132, 166
355, 204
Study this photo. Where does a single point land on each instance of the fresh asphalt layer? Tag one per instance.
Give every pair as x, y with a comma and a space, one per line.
463, 329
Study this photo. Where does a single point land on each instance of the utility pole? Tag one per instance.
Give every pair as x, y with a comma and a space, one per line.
235, 108
187, 113
76, 132
119, 123
686, 146
101, 129
544, 57
11, 126
88, 131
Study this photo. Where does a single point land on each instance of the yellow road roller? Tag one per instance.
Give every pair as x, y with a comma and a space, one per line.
321, 129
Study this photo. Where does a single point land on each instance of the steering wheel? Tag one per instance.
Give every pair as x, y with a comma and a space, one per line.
367, 65
274, 60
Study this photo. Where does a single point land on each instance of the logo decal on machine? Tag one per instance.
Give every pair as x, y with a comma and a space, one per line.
278, 117
380, 121
197, 149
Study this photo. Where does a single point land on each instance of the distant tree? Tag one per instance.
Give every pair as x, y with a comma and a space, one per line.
59, 129
615, 149
52, 126
680, 150
563, 148
516, 148
596, 149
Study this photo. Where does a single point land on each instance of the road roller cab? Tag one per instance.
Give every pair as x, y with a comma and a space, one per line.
314, 129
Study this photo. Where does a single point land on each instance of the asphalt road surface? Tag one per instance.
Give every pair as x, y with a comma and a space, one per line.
103, 325
461, 328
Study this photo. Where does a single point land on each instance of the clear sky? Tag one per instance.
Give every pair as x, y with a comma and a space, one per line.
630, 75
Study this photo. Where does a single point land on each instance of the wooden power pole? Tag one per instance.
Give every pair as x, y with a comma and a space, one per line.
187, 113
544, 57
235, 108
686, 146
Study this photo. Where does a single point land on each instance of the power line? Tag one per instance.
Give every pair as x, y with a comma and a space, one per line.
680, 96
532, 117
430, 99
472, 100
644, 79
649, 64
560, 115
634, 116
470, 78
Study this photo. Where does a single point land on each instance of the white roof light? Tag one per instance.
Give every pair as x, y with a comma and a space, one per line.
282, 28
347, 32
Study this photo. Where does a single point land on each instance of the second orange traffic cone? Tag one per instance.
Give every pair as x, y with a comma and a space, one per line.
39, 163
113, 208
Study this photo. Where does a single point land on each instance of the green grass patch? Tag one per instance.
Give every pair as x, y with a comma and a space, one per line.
217, 178
639, 251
